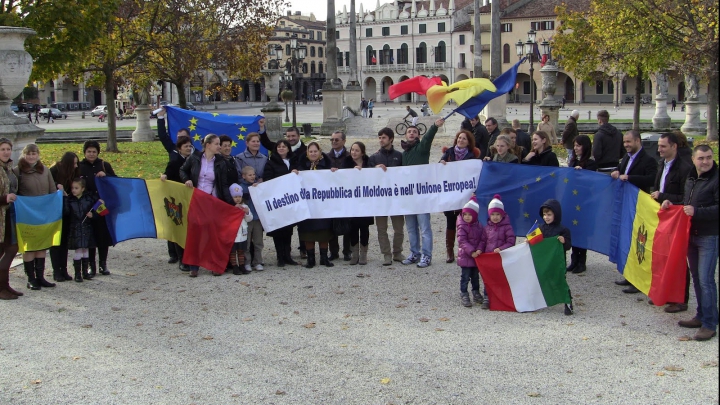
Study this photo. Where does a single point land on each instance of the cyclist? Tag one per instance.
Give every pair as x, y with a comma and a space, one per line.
411, 113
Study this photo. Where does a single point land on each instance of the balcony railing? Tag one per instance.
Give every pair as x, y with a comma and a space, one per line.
462, 65
432, 66
387, 68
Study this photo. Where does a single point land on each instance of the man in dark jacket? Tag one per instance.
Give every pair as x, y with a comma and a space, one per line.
337, 156
523, 138
670, 186
491, 125
570, 132
480, 133
292, 135
167, 142
551, 213
700, 202
638, 168
386, 157
607, 146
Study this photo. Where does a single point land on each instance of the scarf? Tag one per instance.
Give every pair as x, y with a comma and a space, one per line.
460, 153
313, 165
408, 145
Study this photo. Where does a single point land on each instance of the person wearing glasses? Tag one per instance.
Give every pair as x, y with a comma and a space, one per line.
338, 155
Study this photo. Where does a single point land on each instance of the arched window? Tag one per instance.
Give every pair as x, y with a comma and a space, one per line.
369, 54
440, 52
320, 66
312, 67
402, 56
421, 53
320, 51
304, 68
287, 50
312, 51
386, 57
506, 53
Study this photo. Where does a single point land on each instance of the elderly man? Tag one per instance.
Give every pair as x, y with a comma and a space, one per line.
337, 156
607, 146
638, 168
491, 125
700, 201
570, 132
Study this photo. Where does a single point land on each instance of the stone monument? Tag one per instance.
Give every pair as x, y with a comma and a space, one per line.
353, 90
661, 119
497, 107
15, 68
692, 125
272, 110
332, 88
143, 132
549, 105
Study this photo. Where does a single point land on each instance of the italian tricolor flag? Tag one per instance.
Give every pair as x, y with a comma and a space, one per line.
525, 277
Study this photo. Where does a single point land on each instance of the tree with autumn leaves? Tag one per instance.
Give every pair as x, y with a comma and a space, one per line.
639, 37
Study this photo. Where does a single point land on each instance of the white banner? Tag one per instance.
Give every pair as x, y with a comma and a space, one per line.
365, 193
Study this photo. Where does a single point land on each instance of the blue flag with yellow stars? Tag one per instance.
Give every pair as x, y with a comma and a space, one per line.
586, 198
201, 123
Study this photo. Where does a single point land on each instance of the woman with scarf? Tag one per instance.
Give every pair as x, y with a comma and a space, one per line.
34, 179
315, 230
463, 149
8, 238
63, 172
280, 164
581, 158
90, 168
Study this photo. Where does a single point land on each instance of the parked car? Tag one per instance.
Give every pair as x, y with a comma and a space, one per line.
44, 112
190, 106
14, 108
99, 110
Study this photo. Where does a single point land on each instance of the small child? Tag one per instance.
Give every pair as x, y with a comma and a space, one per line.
499, 234
551, 213
78, 210
237, 255
255, 229
471, 243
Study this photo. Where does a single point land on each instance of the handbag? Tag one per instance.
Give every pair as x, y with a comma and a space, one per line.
340, 226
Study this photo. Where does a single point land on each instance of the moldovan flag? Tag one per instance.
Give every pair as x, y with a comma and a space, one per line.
525, 277
204, 225
650, 244
38, 221
534, 235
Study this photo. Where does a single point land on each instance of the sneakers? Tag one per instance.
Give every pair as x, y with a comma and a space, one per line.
424, 261
477, 297
413, 258
259, 267
248, 269
485, 305
465, 300
568, 309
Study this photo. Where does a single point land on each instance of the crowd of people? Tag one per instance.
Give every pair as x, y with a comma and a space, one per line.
682, 176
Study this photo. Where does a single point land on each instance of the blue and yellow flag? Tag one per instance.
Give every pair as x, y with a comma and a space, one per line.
201, 123
38, 221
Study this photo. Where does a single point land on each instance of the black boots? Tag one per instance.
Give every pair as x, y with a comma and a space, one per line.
581, 257
85, 263
279, 252
324, 259
287, 249
103, 269
78, 271
450, 245
311, 258
35, 271
61, 275
573, 260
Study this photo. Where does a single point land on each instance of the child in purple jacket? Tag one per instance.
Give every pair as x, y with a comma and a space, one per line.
499, 234
471, 243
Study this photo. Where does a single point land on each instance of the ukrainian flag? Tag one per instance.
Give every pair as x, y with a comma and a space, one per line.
38, 221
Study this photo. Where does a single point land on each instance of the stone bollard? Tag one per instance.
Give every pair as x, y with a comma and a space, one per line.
589, 114
83, 115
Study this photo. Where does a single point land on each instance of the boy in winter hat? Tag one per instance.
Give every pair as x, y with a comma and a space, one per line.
237, 255
471, 243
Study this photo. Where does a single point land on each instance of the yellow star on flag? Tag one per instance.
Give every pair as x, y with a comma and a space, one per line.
192, 127
193, 120
575, 192
233, 144
538, 179
196, 137
552, 174
241, 137
577, 207
215, 114
526, 215
525, 186
575, 221
521, 200
243, 129
566, 180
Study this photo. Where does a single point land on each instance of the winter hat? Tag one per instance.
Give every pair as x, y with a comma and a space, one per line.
472, 208
236, 190
496, 205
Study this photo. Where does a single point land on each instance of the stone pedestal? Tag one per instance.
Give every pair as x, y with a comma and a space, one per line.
143, 132
353, 96
661, 119
497, 109
692, 125
272, 110
15, 65
332, 108
549, 105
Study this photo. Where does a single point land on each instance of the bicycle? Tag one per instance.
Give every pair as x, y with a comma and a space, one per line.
402, 127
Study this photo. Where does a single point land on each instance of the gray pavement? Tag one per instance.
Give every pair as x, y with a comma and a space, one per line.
149, 334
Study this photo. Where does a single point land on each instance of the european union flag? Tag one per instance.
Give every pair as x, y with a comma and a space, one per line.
586, 198
202, 123
504, 84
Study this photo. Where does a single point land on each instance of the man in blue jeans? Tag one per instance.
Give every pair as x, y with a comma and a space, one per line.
700, 202
416, 151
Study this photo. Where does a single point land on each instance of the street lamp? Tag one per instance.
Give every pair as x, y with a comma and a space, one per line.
287, 77
297, 55
528, 49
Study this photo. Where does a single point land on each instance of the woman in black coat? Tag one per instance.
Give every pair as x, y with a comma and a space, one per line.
184, 148
581, 159
80, 230
90, 168
315, 230
280, 164
63, 172
541, 153
463, 148
359, 226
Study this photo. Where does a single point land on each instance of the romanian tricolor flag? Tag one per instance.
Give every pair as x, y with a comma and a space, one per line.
460, 92
38, 221
525, 277
204, 225
100, 208
534, 235
649, 244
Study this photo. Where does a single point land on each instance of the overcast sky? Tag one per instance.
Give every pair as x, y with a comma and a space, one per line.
319, 7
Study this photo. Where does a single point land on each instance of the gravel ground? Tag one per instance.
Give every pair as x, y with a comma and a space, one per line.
348, 334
